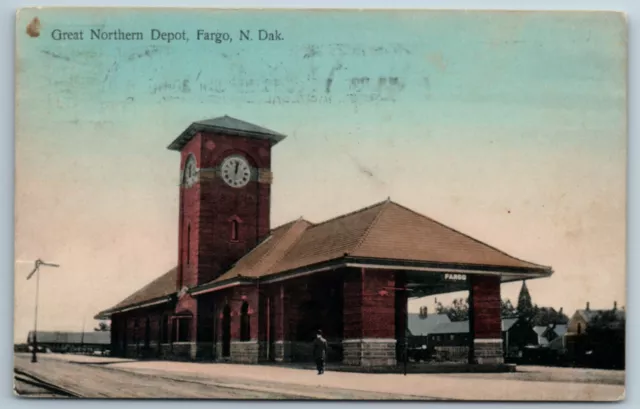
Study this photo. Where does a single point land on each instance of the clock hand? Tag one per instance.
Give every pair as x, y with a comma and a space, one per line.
236, 173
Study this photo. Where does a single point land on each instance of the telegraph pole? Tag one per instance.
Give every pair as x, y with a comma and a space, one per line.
82, 337
36, 271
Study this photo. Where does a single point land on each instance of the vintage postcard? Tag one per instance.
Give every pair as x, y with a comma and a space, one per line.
320, 204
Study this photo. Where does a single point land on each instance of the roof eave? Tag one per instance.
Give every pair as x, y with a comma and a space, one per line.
195, 127
516, 273
106, 314
220, 285
528, 272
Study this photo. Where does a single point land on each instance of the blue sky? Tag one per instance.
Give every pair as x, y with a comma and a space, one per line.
508, 126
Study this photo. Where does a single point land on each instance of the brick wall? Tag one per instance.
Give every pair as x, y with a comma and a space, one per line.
367, 312
138, 330
188, 219
486, 320
352, 304
234, 297
485, 297
206, 208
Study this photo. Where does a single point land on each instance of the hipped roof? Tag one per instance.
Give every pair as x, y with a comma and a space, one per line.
226, 125
385, 231
162, 287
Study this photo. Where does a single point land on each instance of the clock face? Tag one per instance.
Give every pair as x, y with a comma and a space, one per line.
235, 171
190, 171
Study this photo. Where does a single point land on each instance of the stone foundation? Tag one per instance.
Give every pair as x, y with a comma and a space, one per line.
282, 351
451, 354
219, 356
132, 351
245, 352
165, 351
179, 351
488, 351
205, 351
184, 351
371, 352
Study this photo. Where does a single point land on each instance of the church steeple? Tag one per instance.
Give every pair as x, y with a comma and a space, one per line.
525, 305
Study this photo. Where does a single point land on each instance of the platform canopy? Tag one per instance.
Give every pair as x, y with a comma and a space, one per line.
382, 236
386, 235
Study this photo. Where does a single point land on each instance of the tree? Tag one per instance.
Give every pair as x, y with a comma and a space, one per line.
545, 316
608, 320
525, 306
459, 309
507, 309
102, 326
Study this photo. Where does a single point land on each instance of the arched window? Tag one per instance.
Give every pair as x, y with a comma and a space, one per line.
245, 326
182, 328
188, 244
234, 230
579, 328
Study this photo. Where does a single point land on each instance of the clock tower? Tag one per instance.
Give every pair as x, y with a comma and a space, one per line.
225, 195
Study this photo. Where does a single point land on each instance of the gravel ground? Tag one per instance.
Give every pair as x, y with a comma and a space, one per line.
555, 374
102, 377
99, 380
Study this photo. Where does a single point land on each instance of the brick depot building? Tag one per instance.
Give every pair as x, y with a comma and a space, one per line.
244, 292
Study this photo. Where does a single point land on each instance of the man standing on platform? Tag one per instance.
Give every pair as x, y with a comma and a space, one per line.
320, 351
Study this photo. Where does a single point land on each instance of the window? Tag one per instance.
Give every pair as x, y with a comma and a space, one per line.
234, 230
579, 328
188, 244
182, 329
451, 337
245, 328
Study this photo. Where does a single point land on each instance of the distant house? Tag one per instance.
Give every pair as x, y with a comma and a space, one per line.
596, 338
583, 319
450, 341
57, 341
540, 330
547, 334
422, 324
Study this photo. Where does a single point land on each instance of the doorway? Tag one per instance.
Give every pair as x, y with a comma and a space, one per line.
271, 330
226, 331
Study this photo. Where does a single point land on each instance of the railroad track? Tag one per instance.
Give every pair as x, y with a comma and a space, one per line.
28, 385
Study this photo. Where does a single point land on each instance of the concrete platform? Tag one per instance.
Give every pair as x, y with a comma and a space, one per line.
413, 368
170, 379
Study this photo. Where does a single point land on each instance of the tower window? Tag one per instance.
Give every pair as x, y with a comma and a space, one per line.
234, 230
188, 244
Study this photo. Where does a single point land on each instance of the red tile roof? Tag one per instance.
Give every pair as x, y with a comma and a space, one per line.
384, 231
268, 253
163, 286
399, 233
